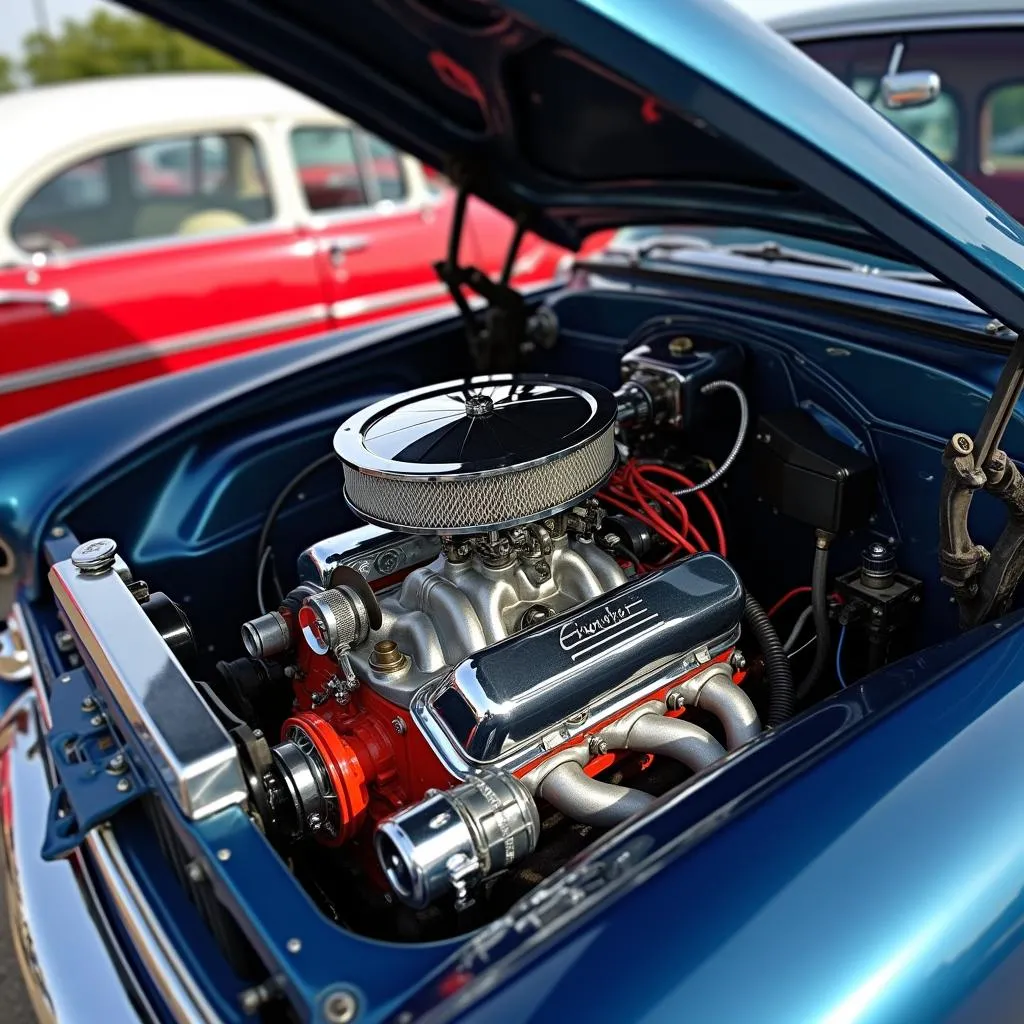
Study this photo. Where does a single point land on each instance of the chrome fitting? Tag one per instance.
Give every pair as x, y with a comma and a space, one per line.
450, 842
266, 636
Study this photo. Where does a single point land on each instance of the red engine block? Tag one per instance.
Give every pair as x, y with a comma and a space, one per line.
376, 757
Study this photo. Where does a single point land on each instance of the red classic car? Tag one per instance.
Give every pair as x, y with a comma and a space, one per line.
148, 225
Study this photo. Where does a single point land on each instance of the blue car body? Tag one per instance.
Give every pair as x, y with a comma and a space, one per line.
861, 862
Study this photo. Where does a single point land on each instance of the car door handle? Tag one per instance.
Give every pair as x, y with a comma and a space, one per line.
338, 248
56, 300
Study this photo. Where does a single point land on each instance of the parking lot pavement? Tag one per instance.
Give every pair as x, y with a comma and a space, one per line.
14, 1005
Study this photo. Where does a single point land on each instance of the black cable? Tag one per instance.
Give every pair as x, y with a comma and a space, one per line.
819, 602
777, 671
628, 555
264, 552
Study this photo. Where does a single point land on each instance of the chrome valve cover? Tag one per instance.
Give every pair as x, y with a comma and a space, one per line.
512, 702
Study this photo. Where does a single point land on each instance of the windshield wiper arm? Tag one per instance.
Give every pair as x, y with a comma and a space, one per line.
645, 248
772, 252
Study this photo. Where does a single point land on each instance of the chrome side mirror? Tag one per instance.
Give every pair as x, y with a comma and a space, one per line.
904, 89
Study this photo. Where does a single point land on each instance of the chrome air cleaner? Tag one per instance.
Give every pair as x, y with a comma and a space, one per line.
484, 453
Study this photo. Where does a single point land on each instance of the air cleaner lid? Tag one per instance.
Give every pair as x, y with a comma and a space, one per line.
478, 454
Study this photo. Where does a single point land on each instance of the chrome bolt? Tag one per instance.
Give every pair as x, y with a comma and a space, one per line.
293, 945
251, 1000
96, 720
94, 557
257, 734
598, 745
194, 870
223, 854
117, 765
123, 785
58, 532
738, 661
64, 640
399, 726
65, 679
89, 704
340, 1008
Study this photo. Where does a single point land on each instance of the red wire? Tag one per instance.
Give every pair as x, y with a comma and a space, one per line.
635, 483
686, 482
632, 491
785, 597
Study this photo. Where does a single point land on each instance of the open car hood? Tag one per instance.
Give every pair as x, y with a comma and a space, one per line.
584, 114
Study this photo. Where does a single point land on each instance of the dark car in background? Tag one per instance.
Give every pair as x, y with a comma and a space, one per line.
964, 63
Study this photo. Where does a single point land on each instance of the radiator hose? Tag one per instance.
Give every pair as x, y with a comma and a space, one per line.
777, 671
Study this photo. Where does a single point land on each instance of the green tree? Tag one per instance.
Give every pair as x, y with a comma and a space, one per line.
6, 74
115, 44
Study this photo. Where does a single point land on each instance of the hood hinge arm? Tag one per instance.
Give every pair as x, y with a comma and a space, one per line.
983, 582
495, 347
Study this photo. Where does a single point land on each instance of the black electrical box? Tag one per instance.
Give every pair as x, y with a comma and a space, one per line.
807, 474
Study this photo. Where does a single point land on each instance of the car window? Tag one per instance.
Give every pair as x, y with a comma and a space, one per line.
179, 186
1002, 130
936, 126
387, 169
328, 168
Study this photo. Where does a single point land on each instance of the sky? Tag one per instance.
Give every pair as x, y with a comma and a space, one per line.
20, 17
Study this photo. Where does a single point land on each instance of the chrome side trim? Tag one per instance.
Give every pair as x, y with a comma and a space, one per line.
15, 666
190, 748
837, 30
240, 330
164, 967
277, 225
346, 309
71, 969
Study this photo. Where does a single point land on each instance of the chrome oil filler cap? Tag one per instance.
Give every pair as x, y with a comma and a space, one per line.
94, 557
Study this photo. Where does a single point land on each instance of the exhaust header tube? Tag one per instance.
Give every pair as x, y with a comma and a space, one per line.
569, 789
714, 691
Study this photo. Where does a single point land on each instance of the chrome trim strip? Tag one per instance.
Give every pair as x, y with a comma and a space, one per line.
277, 225
15, 666
18, 615
178, 989
72, 972
838, 30
346, 309
190, 748
240, 330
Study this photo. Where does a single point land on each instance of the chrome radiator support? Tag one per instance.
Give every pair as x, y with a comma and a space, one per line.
190, 749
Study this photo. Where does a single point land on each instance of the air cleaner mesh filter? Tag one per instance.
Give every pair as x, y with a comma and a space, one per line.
478, 454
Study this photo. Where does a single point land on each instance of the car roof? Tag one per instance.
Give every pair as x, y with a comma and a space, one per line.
54, 119
868, 17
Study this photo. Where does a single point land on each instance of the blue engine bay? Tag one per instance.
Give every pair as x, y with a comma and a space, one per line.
867, 769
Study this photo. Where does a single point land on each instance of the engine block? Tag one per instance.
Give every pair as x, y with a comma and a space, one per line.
451, 682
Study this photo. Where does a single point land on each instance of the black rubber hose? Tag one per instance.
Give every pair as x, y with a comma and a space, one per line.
777, 671
822, 629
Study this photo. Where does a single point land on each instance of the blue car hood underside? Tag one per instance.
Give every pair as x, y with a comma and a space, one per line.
576, 115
